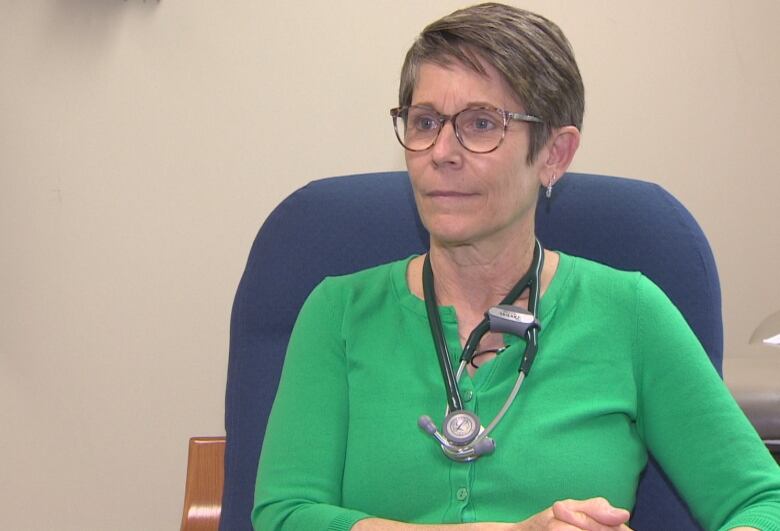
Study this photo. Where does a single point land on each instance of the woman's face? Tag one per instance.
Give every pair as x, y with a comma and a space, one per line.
465, 197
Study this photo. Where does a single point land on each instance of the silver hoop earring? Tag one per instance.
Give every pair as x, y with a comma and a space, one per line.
550, 183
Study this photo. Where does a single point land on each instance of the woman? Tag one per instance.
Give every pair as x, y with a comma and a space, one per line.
491, 106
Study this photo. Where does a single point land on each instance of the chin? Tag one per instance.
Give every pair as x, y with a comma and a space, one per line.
453, 236
454, 229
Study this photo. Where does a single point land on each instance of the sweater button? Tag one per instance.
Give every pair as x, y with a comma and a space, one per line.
462, 494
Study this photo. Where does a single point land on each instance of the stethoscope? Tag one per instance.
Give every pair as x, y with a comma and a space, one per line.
463, 438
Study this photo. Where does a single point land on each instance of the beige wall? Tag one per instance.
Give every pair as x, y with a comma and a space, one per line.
142, 144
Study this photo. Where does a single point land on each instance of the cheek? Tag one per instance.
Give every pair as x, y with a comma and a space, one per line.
509, 176
413, 165
517, 188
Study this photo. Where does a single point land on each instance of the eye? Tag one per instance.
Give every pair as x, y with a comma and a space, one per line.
480, 121
484, 123
423, 122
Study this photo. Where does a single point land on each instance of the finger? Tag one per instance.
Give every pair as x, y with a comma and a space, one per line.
604, 512
595, 514
560, 525
580, 521
546, 521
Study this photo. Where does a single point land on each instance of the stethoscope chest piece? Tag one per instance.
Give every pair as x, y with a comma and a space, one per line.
461, 427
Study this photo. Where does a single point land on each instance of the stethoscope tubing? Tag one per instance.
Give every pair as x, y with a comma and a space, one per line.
454, 401
530, 280
481, 443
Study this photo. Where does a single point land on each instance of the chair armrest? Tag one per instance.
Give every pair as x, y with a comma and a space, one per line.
203, 490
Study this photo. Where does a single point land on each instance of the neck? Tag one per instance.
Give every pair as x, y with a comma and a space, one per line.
476, 277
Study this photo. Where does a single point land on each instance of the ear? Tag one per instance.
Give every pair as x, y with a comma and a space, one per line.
559, 152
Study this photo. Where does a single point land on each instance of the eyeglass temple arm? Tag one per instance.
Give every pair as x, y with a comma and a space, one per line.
523, 117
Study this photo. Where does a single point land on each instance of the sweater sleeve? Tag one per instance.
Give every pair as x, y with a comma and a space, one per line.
693, 426
302, 460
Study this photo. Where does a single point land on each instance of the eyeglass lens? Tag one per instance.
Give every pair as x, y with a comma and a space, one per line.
479, 130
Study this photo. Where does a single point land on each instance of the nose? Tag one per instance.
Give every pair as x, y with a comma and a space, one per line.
447, 149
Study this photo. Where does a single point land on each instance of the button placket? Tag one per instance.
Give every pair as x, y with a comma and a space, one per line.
459, 485
467, 392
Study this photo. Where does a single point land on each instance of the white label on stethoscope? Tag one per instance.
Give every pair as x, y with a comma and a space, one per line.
520, 317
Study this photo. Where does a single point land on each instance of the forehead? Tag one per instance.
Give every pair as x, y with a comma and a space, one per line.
452, 87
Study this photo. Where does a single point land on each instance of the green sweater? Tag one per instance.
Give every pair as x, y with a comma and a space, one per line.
619, 373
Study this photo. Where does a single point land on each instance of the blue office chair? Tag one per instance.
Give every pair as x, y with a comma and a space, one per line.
344, 224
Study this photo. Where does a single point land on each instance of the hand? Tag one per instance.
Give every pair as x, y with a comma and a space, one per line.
594, 514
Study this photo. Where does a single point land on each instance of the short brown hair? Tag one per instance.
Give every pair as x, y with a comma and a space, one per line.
529, 51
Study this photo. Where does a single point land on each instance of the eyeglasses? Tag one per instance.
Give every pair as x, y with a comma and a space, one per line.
478, 129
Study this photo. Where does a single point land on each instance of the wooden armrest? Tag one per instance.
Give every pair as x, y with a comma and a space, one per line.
203, 490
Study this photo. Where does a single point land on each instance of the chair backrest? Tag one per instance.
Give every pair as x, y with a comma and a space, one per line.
343, 224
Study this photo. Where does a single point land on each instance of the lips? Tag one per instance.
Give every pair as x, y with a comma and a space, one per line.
448, 193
